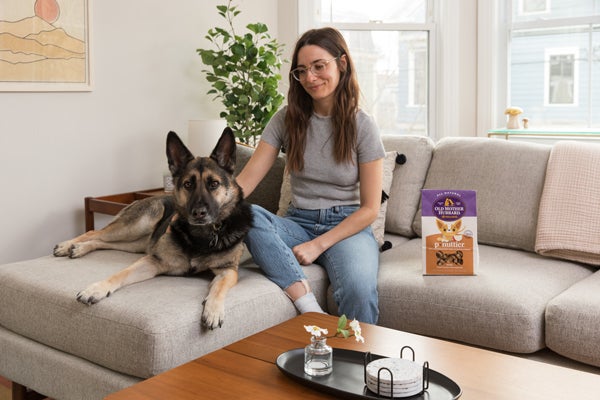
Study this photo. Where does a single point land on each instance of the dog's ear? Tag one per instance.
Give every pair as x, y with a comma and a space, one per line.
440, 224
456, 226
178, 155
224, 152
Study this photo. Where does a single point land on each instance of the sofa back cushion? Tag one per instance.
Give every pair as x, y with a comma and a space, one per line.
407, 182
508, 177
266, 193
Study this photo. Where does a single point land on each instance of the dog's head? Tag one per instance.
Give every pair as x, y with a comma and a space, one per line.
449, 229
205, 191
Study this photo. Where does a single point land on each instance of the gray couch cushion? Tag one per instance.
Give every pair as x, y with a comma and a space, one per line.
266, 193
508, 177
142, 329
407, 182
502, 307
572, 323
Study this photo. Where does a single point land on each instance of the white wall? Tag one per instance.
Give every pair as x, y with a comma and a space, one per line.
57, 148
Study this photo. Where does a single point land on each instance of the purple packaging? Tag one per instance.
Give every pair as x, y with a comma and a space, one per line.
449, 232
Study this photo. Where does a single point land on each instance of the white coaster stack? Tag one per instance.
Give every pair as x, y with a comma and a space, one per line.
407, 377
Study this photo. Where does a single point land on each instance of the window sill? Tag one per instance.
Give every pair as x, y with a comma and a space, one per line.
549, 133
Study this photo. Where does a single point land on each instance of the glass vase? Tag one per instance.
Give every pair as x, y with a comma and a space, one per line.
318, 357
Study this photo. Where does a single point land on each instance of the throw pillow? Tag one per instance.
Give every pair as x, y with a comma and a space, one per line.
378, 226
285, 196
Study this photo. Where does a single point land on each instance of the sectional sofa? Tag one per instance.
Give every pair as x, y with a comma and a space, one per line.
536, 286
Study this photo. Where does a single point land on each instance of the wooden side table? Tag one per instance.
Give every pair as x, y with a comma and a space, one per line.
112, 204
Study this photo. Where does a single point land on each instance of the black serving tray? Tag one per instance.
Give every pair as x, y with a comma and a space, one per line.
347, 378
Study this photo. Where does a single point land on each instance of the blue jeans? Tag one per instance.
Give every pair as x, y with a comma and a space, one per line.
352, 264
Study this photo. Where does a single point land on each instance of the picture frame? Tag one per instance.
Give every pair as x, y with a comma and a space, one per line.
45, 46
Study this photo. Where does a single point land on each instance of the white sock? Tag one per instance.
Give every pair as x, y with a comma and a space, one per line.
308, 303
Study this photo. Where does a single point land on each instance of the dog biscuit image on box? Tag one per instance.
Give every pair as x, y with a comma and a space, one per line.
449, 231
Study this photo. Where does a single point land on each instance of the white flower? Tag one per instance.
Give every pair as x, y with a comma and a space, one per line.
343, 330
359, 337
355, 326
315, 330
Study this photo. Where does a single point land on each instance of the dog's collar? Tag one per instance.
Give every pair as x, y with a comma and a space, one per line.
215, 240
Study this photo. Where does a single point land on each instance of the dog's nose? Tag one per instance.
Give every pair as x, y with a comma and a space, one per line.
199, 212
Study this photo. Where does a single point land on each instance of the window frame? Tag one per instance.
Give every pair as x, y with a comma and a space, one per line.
309, 12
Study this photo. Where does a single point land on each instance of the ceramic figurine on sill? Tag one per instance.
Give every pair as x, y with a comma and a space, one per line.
513, 117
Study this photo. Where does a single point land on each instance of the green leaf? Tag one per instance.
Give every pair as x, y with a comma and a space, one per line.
207, 56
222, 32
238, 49
251, 52
257, 27
342, 322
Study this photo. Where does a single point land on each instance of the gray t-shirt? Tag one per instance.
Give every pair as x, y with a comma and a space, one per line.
323, 183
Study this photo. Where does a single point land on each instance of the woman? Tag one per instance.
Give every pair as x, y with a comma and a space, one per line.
334, 155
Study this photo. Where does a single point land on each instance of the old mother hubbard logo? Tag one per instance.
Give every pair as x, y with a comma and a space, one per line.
448, 206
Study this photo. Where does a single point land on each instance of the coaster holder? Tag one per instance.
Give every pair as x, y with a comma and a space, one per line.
368, 358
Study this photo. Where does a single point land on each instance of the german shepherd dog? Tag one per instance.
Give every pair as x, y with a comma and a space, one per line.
200, 226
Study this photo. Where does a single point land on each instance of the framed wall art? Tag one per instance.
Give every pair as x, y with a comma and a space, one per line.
45, 45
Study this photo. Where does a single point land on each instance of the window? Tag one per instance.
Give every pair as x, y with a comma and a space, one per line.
533, 6
391, 43
554, 62
417, 78
560, 82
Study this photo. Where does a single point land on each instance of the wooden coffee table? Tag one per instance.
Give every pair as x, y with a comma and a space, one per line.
247, 369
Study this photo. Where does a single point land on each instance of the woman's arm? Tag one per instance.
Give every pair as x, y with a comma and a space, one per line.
257, 167
371, 175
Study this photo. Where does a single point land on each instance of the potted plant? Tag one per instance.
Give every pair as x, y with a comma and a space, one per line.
244, 72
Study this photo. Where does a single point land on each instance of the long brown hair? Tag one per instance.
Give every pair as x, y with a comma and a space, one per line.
300, 104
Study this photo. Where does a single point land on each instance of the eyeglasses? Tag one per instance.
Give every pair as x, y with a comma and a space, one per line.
317, 68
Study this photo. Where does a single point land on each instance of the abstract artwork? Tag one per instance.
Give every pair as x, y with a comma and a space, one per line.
44, 45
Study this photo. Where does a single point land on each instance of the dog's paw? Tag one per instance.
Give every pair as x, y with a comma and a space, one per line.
78, 250
94, 293
213, 314
62, 249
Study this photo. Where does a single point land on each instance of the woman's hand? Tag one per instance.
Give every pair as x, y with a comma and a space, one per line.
306, 253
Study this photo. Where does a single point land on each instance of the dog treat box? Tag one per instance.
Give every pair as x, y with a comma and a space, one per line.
449, 231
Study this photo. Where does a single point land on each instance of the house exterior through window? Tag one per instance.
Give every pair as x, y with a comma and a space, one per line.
561, 77
554, 62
